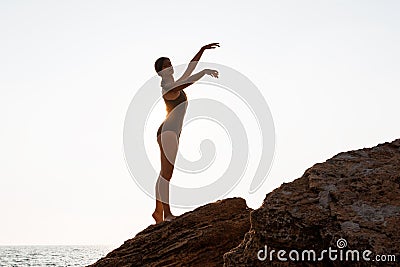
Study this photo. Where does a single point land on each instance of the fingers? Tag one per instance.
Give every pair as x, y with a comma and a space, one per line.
212, 46
214, 73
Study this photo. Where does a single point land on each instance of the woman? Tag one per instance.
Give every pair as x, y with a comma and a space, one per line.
169, 131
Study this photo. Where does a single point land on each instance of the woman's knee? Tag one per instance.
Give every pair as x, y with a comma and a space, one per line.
166, 174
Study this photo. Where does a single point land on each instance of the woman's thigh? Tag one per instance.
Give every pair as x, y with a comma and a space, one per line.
168, 142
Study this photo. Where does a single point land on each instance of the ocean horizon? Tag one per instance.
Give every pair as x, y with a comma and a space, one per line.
51, 255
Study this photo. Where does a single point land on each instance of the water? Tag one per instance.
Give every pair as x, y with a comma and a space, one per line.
23, 256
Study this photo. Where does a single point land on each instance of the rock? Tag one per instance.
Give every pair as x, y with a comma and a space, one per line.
352, 199
350, 202
196, 238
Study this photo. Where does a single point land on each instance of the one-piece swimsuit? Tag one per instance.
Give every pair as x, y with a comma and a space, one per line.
176, 110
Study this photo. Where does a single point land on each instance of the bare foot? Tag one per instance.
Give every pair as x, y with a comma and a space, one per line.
157, 216
169, 218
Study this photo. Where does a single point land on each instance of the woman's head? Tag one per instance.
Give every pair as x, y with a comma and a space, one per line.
163, 63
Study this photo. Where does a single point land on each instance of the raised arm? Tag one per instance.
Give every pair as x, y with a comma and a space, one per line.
173, 88
193, 63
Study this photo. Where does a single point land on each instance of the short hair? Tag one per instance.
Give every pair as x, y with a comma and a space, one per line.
159, 64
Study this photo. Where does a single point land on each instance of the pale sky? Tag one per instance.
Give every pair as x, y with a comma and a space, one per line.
329, 71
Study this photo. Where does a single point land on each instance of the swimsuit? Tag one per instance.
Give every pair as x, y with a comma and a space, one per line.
176, 110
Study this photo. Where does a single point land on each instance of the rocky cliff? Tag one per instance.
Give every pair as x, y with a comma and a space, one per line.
196, 238
348, 205
351, 201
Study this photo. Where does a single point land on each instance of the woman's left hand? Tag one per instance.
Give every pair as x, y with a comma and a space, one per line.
211, 46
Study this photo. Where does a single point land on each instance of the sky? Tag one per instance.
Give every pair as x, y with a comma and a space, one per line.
69, 70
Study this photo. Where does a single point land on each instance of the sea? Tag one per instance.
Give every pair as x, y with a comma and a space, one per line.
23, 256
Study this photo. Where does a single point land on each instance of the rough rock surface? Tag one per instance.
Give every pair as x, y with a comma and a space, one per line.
196, 238
354, 196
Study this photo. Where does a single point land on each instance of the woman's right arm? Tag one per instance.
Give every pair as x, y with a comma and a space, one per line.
193, 63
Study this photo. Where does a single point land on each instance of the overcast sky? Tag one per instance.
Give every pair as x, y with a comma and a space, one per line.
329, 71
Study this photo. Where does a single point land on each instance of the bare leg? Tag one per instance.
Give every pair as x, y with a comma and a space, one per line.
158, 213
168, 142
164, 193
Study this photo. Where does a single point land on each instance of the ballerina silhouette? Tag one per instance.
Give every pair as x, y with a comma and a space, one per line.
170, 129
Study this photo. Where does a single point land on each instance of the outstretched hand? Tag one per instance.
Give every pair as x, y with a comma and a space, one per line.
211, 46
212, 73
